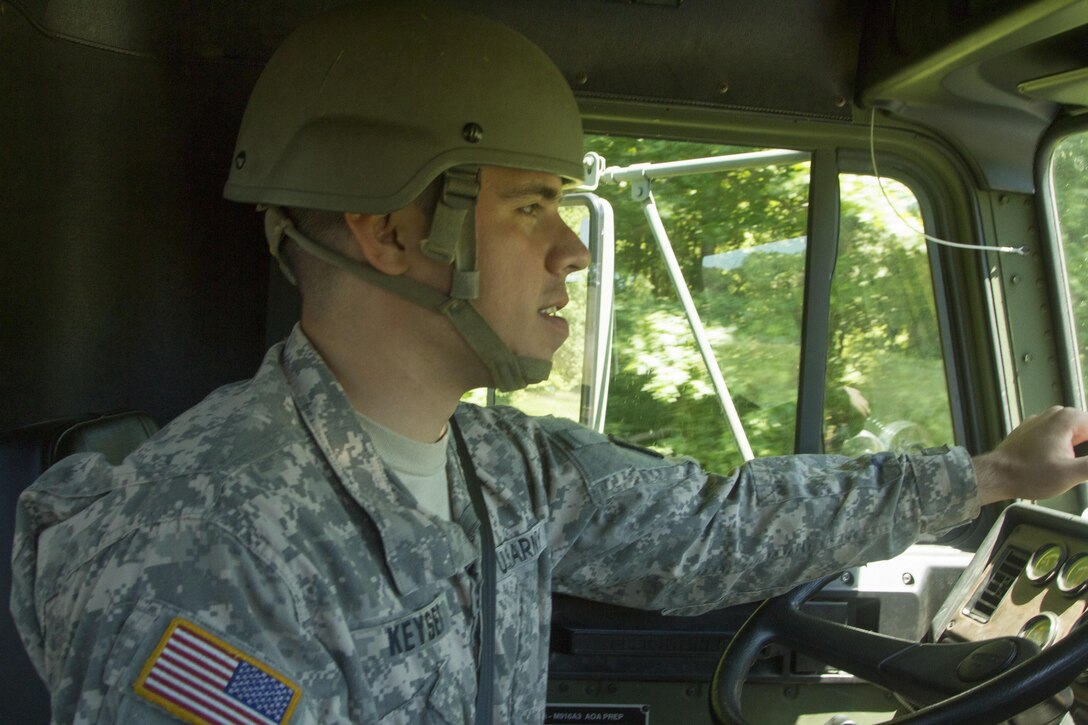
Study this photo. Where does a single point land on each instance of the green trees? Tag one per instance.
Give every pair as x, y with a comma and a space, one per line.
739, 237
886, 387
1069, 179
750, 303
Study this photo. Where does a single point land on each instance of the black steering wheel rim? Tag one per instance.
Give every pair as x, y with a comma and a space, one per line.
780, 620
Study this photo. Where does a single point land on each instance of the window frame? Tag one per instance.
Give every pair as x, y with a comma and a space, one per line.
1073, 392
935, 216
948, 194
1052, 251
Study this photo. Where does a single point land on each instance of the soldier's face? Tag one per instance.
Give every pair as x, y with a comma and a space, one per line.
525, 252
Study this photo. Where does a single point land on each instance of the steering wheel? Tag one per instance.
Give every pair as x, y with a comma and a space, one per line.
977, 682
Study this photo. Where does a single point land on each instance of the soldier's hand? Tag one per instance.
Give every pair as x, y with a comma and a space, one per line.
1037, 459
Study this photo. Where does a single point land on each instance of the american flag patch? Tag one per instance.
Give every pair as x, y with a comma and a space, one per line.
202, 679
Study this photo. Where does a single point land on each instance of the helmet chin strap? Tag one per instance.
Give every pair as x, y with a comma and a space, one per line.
453, 241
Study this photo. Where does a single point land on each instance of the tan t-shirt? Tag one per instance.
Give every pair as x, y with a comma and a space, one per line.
421, 467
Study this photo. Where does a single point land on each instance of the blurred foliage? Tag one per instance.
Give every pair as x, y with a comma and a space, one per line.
739, 237
750, 304
1069, 176
886, 388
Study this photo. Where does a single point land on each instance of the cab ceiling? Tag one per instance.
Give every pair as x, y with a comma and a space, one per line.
950, 66
788, 56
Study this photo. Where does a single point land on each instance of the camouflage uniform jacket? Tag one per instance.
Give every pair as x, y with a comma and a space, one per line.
264, 518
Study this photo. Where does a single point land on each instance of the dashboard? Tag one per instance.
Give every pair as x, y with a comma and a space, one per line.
1028, 579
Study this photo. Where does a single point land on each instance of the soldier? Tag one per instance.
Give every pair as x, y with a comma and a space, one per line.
310, 546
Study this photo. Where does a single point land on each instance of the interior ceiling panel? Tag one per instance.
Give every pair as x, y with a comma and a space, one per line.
794, 57
956, 67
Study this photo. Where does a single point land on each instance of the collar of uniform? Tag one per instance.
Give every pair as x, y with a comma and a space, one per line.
418, 548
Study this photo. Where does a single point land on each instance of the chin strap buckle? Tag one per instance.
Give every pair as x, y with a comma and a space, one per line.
276, 226
453, 230
460, 188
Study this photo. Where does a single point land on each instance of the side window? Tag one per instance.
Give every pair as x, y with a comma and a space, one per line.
886, 387
1069, 192
738, 236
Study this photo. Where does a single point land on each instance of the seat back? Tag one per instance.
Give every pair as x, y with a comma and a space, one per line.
26, 453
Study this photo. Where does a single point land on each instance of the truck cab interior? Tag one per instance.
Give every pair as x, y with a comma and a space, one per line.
817, 225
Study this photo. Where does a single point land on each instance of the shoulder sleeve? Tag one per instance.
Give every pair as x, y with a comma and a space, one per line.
633, 528
183, 623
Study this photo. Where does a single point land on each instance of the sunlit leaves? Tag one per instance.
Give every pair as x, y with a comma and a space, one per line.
739, 240
1069, 176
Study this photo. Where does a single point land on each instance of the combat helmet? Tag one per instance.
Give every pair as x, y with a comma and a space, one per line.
361, 108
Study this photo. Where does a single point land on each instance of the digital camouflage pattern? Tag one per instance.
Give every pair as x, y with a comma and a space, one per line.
265, 517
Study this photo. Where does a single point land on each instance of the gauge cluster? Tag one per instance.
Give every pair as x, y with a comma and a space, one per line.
1053, 562
1029, 579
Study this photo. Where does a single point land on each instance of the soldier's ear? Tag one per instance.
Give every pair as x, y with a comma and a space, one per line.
377, 237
